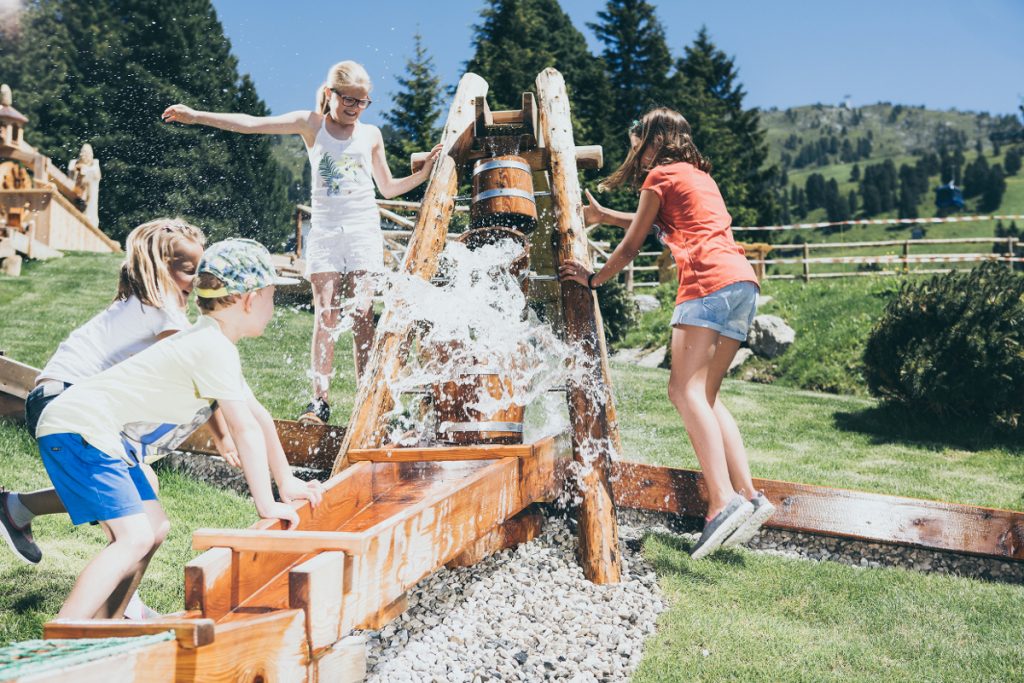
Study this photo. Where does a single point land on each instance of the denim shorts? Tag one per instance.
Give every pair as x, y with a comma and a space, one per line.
93, 486
728, 310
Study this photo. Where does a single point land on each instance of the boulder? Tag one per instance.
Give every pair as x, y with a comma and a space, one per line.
653, 359
646, 303
742, 355
770, 336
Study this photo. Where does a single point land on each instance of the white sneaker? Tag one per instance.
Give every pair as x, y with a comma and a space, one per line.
763, 509
721, 526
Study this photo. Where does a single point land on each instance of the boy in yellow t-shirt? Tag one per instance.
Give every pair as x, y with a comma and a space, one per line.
93, 466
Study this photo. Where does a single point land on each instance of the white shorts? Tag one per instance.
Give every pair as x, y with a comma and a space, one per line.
334, 250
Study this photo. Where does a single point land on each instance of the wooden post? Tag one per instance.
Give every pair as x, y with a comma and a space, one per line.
807, 264
906, 256
1011, 248
591, 431
373, 400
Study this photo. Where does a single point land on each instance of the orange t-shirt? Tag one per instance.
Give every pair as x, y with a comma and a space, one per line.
695, 225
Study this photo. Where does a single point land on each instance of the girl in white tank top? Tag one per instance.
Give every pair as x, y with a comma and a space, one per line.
345, 246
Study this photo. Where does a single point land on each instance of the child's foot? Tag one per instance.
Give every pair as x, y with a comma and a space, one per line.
717, 529
317, 413
763, 509
18, 537
138, 610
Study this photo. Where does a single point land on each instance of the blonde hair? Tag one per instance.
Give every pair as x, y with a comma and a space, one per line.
670, 134
208, 305
341, 75
146, 272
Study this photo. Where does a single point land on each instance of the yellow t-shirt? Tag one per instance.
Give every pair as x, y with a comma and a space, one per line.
168, 383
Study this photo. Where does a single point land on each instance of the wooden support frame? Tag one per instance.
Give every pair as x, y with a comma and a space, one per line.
593, 430
842, 513
189, 633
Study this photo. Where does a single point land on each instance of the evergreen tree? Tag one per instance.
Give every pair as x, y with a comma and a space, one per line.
855, 173
1012, 162
637, 62
103, 71
518, 39
710, 97
995, 187
413, 117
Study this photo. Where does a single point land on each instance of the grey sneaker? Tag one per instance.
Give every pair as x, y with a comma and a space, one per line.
724, 523
763, 509
19, 539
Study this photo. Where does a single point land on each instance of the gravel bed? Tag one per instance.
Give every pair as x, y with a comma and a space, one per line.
522, 615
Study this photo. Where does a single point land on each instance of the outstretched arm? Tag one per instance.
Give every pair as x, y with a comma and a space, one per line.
594, 213
627, 250
394, 187
289, 487
304, 123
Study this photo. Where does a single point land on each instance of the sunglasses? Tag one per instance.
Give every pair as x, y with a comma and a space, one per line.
352, 101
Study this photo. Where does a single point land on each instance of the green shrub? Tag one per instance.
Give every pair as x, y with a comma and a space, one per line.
953, 346
618, 308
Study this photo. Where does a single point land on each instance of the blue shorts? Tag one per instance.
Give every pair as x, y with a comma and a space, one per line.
728, 310
93, 486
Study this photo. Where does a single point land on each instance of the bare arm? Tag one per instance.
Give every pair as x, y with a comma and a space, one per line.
288, 485
393, 187
594, 213
628, 248
252, 451
304, 123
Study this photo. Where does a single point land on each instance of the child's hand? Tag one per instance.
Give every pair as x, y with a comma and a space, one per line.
293, 488
281, 511
575, 271
179, 113
593, 213
226, 449
428, 164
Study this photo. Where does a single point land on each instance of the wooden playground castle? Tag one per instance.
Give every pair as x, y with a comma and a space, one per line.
267, 604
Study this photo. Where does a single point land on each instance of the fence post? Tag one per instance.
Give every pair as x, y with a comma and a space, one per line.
629, 277
1011, 249
906, 256
807, 264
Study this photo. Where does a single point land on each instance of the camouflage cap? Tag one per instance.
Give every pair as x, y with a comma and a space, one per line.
242, 265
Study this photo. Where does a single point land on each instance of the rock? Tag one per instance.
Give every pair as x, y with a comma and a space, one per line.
654, 359
770, 336
647, 302
742, 356
763, 299
627, 355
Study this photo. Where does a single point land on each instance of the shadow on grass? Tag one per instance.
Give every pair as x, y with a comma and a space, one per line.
895, 424
678, 561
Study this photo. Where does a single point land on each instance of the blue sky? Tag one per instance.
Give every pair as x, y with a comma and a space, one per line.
942, 54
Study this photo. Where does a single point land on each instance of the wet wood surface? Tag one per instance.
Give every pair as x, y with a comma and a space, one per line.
842, 513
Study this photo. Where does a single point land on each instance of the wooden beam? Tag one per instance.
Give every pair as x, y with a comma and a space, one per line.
208, 581
592, 432
305, 445
522, 528
440, 454
152, 663
391, 344
316, 587
280, 541
190, 633
345, 662
16, 379
837, 512
385, 615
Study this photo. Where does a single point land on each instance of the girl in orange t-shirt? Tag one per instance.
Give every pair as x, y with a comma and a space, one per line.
715, 305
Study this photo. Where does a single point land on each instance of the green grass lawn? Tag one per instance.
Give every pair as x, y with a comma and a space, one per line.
828, 621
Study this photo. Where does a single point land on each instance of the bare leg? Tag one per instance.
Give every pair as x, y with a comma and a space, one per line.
735, 453
42, 502
692, 351
134, 540
122, 594
326, 311
359, 286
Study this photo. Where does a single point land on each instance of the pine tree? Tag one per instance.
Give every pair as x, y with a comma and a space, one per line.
637, 62
413, 117
709, 95
518, 39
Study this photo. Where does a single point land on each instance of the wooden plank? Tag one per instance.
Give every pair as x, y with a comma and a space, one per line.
440, 454
844, 513
208, 583
315, 587
391, 344
591, 428
522, 528
386, 614
304, 445
249, 647
282, 541
345, 662
150, 664
17, 379
190, 633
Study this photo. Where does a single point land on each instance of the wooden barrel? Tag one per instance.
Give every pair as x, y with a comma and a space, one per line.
457, 423
503, 194
519, 268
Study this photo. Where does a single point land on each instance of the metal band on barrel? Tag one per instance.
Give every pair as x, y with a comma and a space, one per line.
504, 192
501, 163
482, 427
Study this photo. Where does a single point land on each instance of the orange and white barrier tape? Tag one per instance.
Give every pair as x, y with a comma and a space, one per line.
884, 221
895, 258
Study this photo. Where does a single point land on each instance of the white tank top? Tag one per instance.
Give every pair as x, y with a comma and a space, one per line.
343, 196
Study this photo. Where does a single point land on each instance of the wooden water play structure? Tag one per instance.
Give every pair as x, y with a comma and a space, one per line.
41, 207
267, 604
